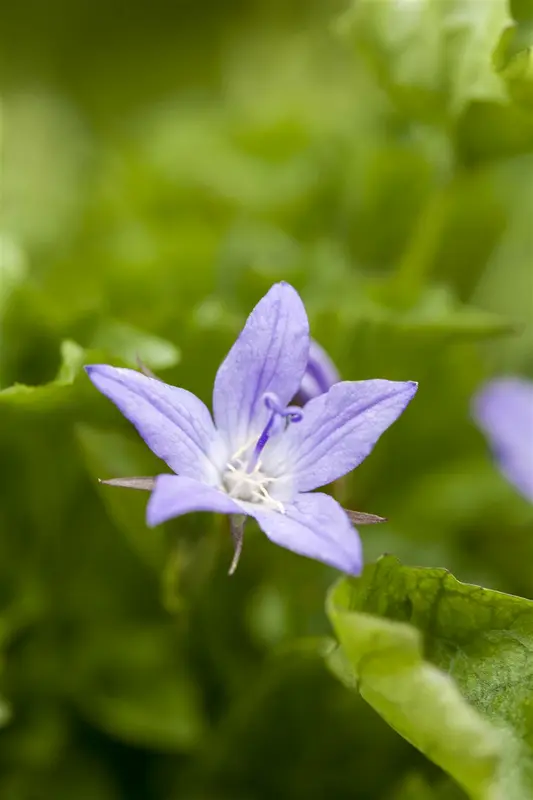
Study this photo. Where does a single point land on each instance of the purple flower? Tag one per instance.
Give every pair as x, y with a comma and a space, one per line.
504, 411
320, 374
260, 457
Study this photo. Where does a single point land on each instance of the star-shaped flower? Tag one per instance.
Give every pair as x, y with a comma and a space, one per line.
259, 456
503, 409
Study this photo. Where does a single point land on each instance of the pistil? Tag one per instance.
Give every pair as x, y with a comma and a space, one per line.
289, 414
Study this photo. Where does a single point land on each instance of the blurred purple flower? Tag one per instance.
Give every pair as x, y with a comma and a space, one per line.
503, 409
261, 458
319, 376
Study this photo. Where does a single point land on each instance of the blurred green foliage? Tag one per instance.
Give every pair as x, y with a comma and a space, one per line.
163, 166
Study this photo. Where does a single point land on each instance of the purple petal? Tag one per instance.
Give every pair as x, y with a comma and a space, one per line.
504, 411
320, 374
316, 526
175, 495
339, 429
174, 423
270, 355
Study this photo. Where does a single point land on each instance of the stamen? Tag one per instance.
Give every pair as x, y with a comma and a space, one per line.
243, 477
290, 414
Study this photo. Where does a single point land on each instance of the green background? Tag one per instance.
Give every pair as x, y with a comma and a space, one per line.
163, 165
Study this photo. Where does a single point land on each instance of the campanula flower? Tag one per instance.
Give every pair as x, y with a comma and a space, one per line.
320, 374
503, 409
258, 456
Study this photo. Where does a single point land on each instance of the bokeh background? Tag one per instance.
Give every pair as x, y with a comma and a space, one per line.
162, 165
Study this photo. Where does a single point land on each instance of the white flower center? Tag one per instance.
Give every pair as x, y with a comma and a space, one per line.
249, 486
243, 477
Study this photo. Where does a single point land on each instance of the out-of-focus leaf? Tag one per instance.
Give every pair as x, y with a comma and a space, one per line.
138, 689
112, 341
271, 702
84, 778
448, 665
433, 56
130, 344
42, 175
36, 738
466, 223
471, 32
432, 52
416, 787
109, 454
495, 291
374, 178
437, 313
258, 246
13, 269
514, 61
268, 616
408, 64
228, 173
5, 712
452, 61
521, 10
161, 716
52, 394
70, 775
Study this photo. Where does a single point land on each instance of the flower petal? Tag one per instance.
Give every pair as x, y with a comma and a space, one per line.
175, 495
174, 423
270, 355
338, 431
316, 526
320, 374
504, 411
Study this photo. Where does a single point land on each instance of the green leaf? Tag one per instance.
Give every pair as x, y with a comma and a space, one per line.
415, 787
522, 10
13, 269
131, 344
514, 62
74, 774
437, 313
50, 394
43, 176
5, 713
109, 454
433, 56
112, 340
448, 665
138, 688
160, 715
472, 30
